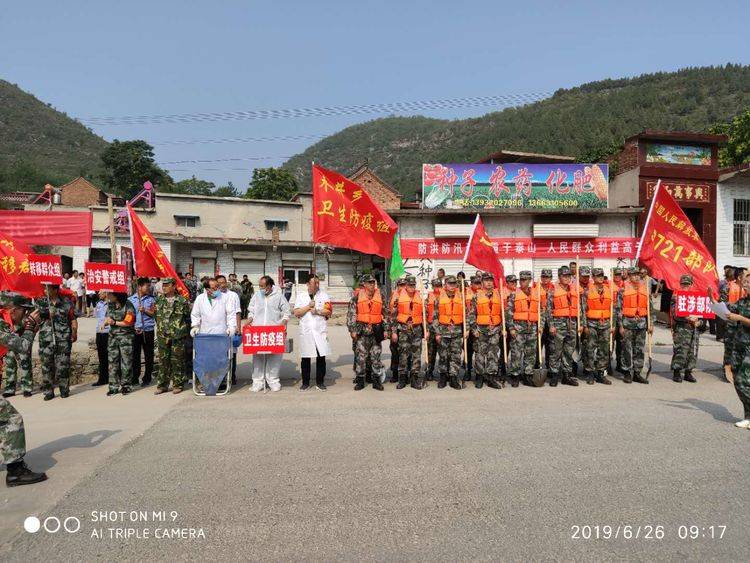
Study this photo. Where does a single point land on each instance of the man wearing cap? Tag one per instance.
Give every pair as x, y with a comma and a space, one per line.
364, 319
18, 366
392, 327
432, 347
484, 318
510, 286
547, 287
16, 334
522, 318
583, 282
596, 309
172, 328
448, 323
633, 323
686, 338
58, 331
475, 285
562, 311
408, 334
618, 280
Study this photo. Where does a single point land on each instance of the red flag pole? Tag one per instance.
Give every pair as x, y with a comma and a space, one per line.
648, 220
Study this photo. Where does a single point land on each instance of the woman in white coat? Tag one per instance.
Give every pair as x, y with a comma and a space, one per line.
313, 309
268, 307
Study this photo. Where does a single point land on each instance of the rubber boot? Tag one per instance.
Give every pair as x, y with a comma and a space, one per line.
479, 382
689, 377
676, 376
19, 474
359, 383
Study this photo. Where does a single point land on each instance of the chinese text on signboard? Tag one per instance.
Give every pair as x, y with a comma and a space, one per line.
263, 339
692, 304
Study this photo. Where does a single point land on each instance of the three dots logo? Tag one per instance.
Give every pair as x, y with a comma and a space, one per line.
52, 524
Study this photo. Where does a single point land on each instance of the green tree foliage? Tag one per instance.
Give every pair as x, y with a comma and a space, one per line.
272, 183
586, 121
737, 149
191, 186
128, 164
227, 191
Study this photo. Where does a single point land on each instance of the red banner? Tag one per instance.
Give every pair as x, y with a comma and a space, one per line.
481, 254
14, 269
109, 277
670, 246
48, 228
263, 339
344, 215
692, 304
45, 268
454, 248
148, 257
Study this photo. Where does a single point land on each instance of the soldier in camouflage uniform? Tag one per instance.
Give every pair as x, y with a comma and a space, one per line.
408, 333
740, 314
392, 327
583, 282
686, 338
632, 325
448, 324
121, 320
485, 321
729, 292
172, 329
562, 311
12, 433
364, 319
18, 364
597, 308
521, 318
547, 286
475, 284
432, 347
618, 279
56, 337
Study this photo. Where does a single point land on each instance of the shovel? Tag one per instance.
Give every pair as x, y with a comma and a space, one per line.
539, 375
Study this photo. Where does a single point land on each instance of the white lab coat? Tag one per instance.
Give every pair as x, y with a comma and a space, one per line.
267, 310
214, 316
313, 329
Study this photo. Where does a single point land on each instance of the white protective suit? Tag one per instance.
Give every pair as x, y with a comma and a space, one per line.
267, 310
214, 316
313, 329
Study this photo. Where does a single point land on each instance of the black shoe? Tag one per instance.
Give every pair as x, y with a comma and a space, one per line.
19, 474
146, 382
479, 382
111, 392
418, 385
98, 384
514, 382
689, 377
601, 378
64, 393
9, 393
627, 377
493, 384
639, 379
441, 382
455, 383
321, 387
49, 395
401, 384
589, 378
569, 381
125, 390
27, 393
359, 383
553, 380
676, 376
304, 387
393, 379
376, 384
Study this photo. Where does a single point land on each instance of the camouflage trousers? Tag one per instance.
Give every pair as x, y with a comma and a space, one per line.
55, 363
523, 350
18, 366
486, 352
432, 349
742, 380
562, 346
367, 354
685, 350
730, 329
450, 349
597, 346
394, 349
12, 434
633, 349
171, 363
120, 355
409, 354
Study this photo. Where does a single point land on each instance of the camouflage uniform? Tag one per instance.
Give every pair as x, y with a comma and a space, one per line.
730, 327
432, 346
172, 328
741, 355
18, 363
686, 338
583, 272
392, 327
599, 333
562, 344
368, 345
55, 349
120, 347
523, 347
450, 347
633, 341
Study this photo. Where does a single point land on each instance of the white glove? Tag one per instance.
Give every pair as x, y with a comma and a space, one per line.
194, 331
230, 332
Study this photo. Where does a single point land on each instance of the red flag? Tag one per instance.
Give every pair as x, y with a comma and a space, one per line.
345, 215
481, 253
15, 274
670, 246
148, 257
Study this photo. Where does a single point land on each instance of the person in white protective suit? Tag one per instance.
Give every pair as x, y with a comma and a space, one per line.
313, 308
268, 307
212, 312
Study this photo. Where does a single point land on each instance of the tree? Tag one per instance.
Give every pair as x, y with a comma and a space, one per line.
191, 186
272, 183
227, 191
737, 149
128, 164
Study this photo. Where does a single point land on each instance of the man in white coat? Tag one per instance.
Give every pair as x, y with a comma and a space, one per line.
212, 312
234, 304
268, 307
313, 308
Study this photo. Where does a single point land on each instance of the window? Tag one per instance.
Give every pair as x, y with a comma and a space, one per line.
278, 223
741, 227
186, 220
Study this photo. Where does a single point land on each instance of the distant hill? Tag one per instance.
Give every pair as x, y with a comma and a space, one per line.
587, 122
39, 144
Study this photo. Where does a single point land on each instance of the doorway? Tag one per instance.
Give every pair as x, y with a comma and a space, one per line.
298, 275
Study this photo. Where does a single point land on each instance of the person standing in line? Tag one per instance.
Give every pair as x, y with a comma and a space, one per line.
562, 308
57, 333
364, 319
485, 320
121, 319
432, 347
475, 285
740, 373
233, 302
448, 323
392, 327
618, 282
409, 334
686, 337
18, 367
145, 325
596, 308
521, 319
268, 307
172, 327
546, 287
102, 339
313, 309
632, 325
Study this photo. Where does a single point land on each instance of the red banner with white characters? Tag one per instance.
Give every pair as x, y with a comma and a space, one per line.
109, 277
45, 268
58, 228
455, 248
692, 304
263, 339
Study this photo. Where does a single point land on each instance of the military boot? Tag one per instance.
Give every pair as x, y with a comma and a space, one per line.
553, 379
376, 384
401, 382
494, 384
49, 395
514, 381
9, 393
627, 377
19, 474
441, 381
638, 379
359, 383
479, 382
589, 378
568, 380
689, 377
676, 376
601, 378
455, 383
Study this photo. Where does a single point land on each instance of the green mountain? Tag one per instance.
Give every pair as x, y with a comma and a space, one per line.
588, 122
39, 144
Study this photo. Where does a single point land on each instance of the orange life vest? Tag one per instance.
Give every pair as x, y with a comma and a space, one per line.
409, 308
488, 309
450, 309
564, 301
369, 311
735, 292
598, 306
526, 307
634, 301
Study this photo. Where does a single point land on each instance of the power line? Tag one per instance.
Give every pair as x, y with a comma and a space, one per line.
507, 100
240, 140
238, 159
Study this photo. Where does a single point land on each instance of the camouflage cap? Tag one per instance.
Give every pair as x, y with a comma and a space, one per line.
686, 279
547, 272
367, 278
13, 299
410, 280
617, 272
450, 279
167, 280
584, 271
563, 271
476, 278
525, 275
437, 282
487, 276
597, 272
401, 281
634, 271
511, 278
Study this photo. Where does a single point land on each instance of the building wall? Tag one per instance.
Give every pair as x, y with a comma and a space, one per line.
623, 190
377, 189
727, 192
79, 193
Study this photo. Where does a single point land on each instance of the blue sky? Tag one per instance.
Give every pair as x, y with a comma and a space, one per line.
106, 58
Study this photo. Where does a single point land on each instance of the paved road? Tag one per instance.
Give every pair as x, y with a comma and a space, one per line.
432, 475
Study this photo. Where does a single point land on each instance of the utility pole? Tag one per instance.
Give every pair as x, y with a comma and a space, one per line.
113, 244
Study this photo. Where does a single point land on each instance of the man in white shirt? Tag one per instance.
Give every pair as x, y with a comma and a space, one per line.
75, 284
212, 312
313, 308
268, 307
234, 305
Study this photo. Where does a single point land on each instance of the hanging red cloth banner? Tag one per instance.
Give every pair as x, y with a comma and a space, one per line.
48, 228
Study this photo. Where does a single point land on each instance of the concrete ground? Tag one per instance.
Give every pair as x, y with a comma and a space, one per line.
397, 475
